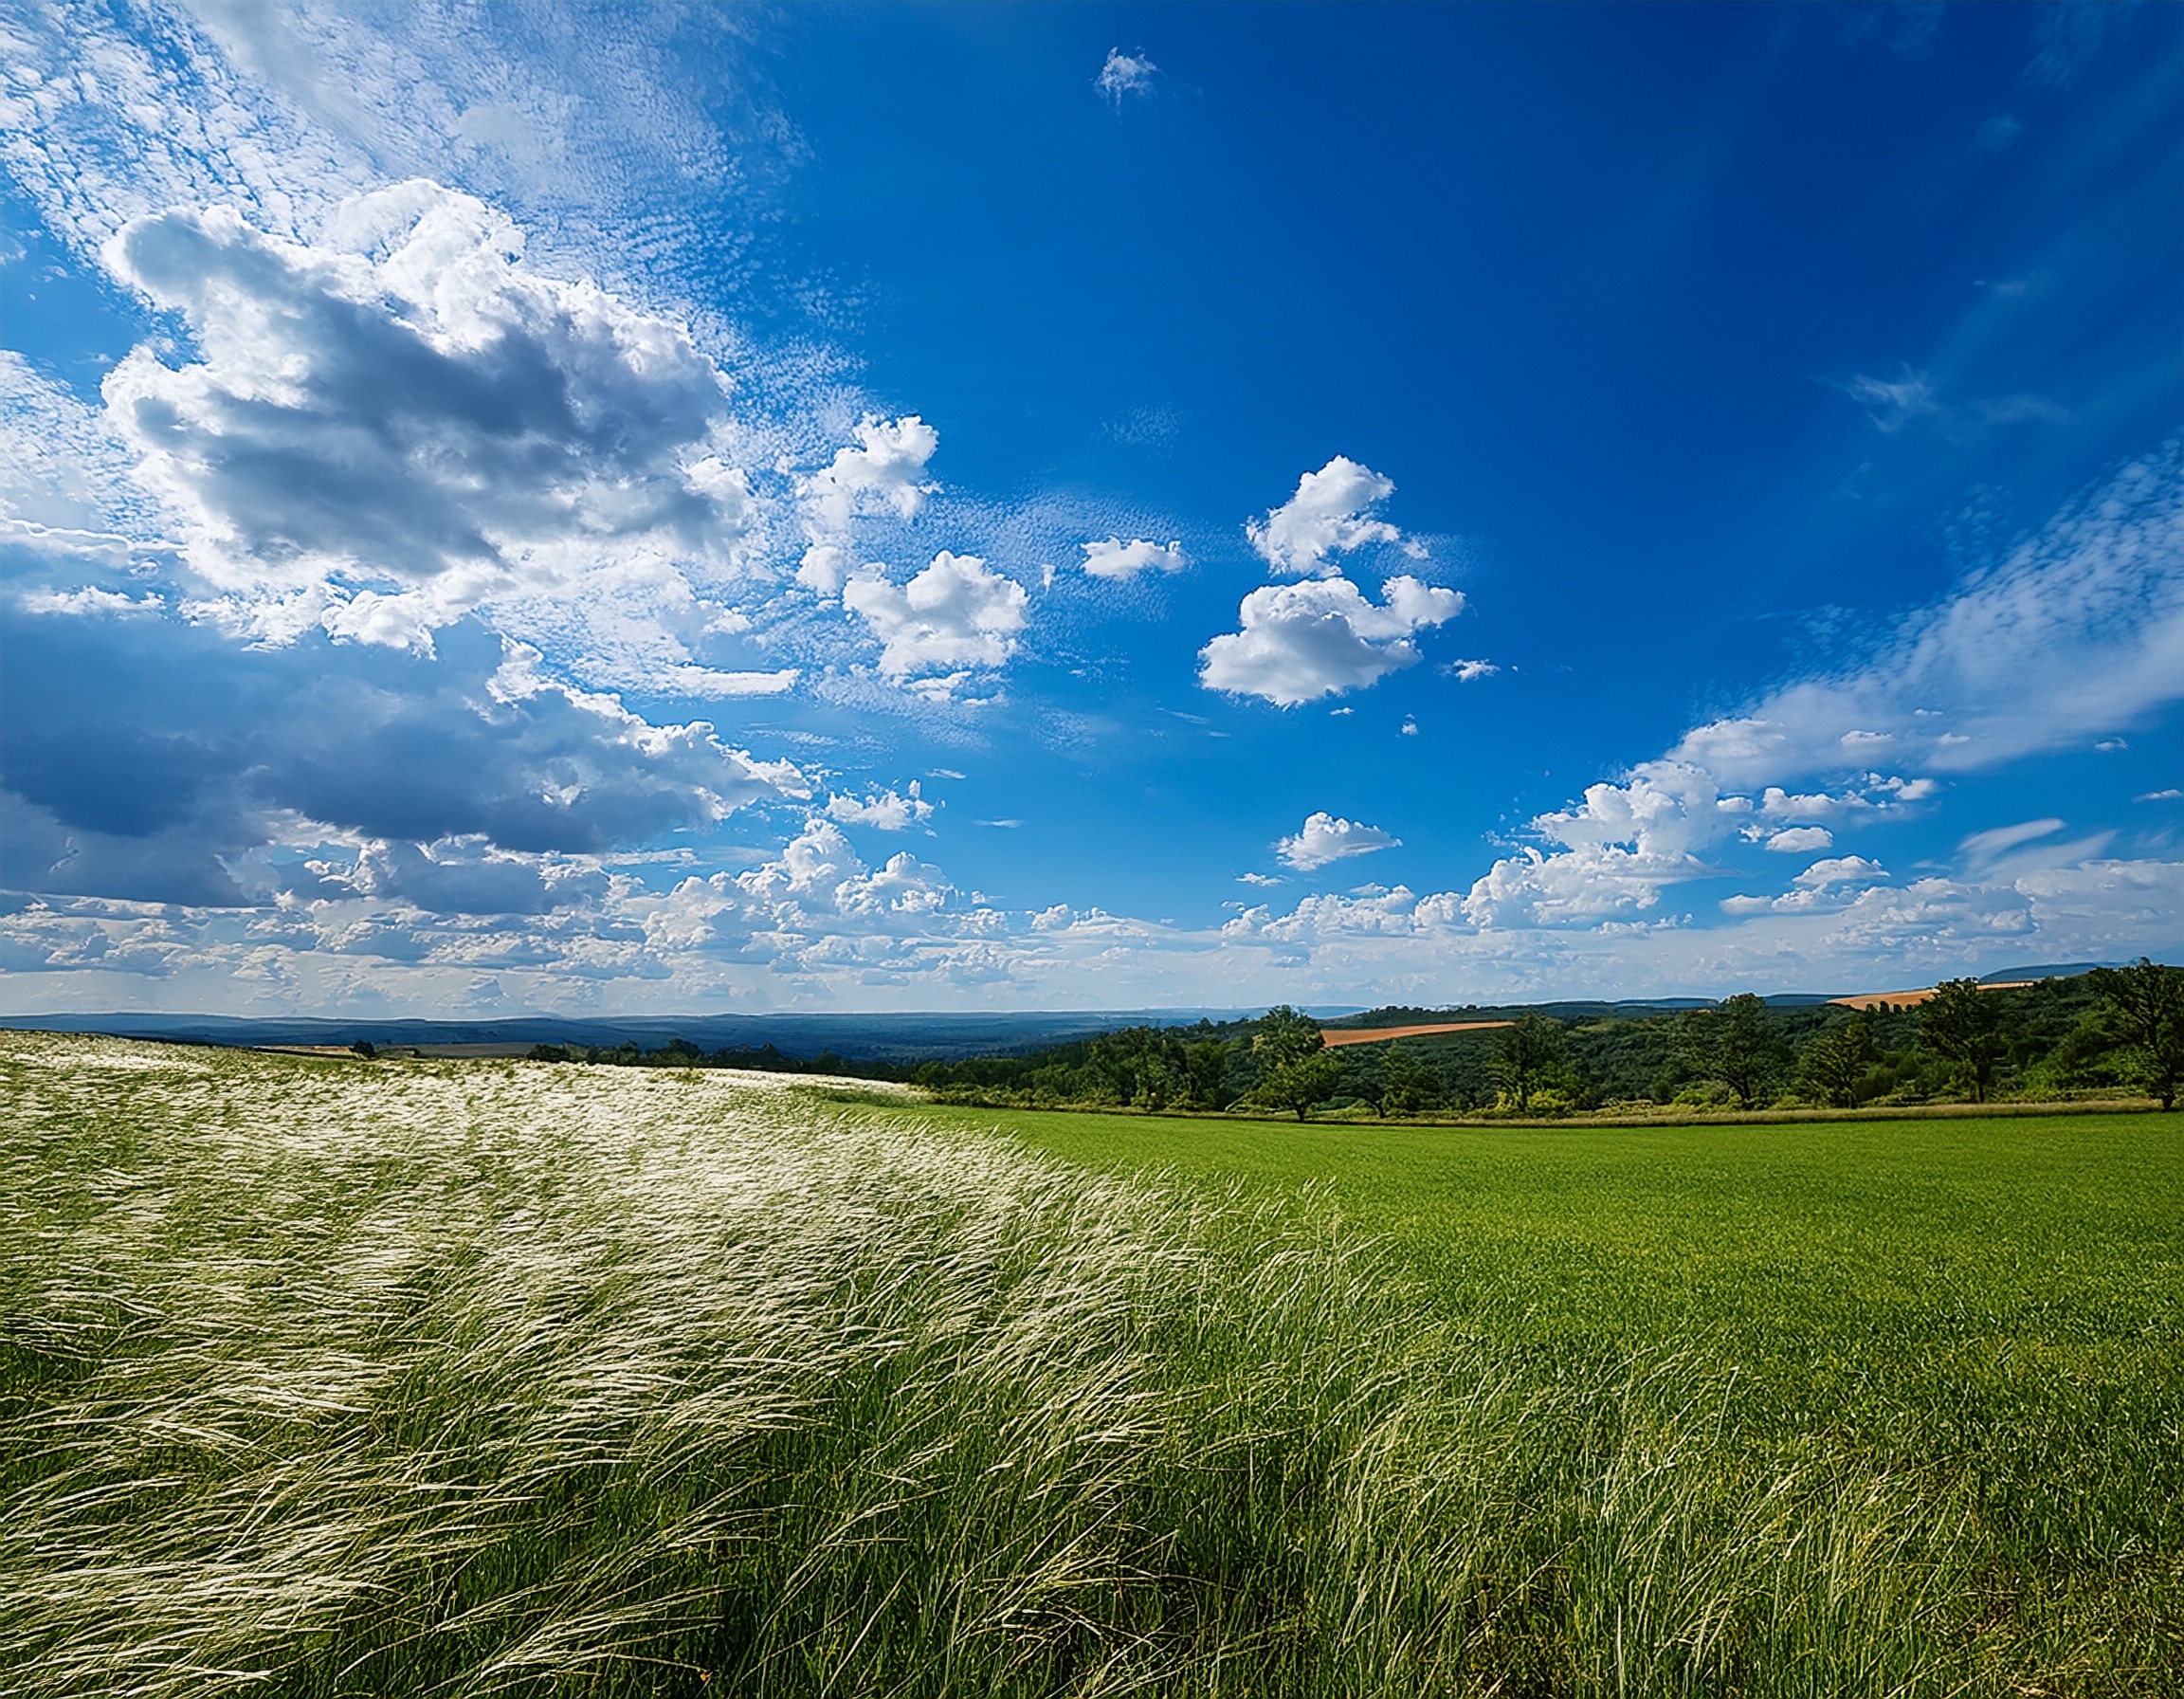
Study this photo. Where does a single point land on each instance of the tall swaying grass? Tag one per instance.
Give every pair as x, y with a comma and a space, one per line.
335, 1378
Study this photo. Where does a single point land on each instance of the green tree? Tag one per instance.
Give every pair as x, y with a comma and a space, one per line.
1205, 1064
1142, 1066
2146, 1004
1405, 1085
1963, 1024
1737, 1043
1295, 1070
1525, 1051
1836, 1062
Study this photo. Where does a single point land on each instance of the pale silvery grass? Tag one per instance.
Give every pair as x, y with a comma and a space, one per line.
462, 1379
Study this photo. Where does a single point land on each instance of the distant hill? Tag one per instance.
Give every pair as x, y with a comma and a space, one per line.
863, 1037
2066, 970
909, 1037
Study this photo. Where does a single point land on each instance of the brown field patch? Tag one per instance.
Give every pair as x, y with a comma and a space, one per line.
1908, 999
1339, 1036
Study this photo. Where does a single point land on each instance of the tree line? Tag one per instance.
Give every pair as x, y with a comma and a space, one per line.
2109, 1031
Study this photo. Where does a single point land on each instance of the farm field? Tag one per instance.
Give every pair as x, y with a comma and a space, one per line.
323, 1377
1994, 1307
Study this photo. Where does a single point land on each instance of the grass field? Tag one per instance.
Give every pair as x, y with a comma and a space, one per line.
330, 1377
1991, 1308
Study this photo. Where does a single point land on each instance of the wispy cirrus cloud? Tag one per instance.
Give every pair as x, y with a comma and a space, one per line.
2074, 632
1911, 397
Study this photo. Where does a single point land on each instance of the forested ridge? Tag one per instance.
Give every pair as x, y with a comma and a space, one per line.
2099, 1034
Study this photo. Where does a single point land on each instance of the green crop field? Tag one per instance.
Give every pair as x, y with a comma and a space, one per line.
1992, 1309
326, 1378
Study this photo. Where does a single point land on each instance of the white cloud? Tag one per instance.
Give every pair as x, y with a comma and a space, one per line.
402, 423
69, 484
145, 784
1983, 847
1328, 516
1116, 559
711, 682
2168, 795
886, 812
825, 568
1257, 879
883, 473
89, 601
2078, 630
1893, 403
1842, 870
1125, 74
1300, 642
1465, 672
1325, 839
819, 882
1818, 886
1626, 843
1619, 848
163, 120
956, 614
465, 875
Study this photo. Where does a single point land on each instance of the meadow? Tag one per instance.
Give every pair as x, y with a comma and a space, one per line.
347, 1378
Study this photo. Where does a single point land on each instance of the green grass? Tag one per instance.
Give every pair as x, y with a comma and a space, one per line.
1992, 1306
324, 1378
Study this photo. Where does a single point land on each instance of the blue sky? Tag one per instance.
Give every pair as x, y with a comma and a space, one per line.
854, 507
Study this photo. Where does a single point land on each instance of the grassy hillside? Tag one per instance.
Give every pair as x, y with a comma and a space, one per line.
338, 1378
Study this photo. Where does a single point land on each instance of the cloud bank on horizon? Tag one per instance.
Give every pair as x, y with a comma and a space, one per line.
471, 544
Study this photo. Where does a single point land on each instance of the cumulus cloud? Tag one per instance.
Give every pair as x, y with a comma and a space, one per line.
1618, 848
2076, 631
1611, 856
1116, 559
1825, 884
883, 473
1329, 515
958, 612
466, 875
1842, 870
1125, 74
1325, 839
1300, 642
818, 875
154, 761
404, 422
887, 811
